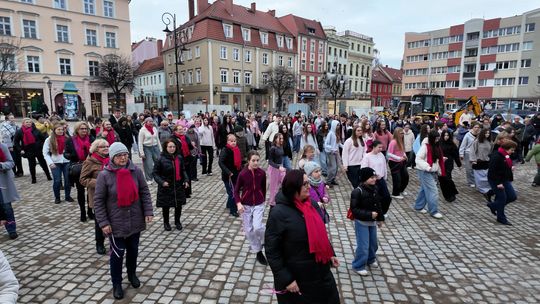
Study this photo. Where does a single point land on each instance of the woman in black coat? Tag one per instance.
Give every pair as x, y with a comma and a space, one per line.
28, 141
224, 129
172, 179
125, 132
294, 230
500, 179
451, 152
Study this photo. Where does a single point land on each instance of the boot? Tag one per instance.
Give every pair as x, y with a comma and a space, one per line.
34, 180
118, 292
100, 249
83, 216
167, 226
90, 214
179, 226
132, 278
261, 258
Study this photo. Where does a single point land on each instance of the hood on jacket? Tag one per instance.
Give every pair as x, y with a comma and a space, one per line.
333, 126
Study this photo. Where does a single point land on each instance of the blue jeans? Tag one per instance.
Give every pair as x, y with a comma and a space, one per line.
502, 198
322, 162
151, 154
287, 164
230, 197
296, 142
62, 169
429, 193
129, 245
366, 245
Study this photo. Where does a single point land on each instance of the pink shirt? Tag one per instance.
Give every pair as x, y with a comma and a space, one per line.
385, 139
375, 162
393, 153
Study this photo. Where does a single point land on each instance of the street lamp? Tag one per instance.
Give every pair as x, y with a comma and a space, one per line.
167, 19
49, 85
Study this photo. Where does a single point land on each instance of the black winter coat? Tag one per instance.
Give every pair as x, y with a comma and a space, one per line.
365, 200
287, 251
498, 171
71, 154
31, 150
125, 134
164, 171
451, 152
226, 163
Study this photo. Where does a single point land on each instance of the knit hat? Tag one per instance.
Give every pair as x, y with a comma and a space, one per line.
117, 148
365, 173
311, 166
238, 129
148, 119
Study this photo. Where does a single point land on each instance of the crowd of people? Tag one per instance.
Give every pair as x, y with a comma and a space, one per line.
305, 156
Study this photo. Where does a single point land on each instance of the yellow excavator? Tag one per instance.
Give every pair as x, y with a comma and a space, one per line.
472, 105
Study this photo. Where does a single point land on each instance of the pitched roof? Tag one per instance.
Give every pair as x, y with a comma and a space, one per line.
394, 74
378, 76
302, 26
150, 65
135, 45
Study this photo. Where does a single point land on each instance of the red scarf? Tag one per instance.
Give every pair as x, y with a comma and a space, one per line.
3, 157
506, 157
111, 137
316, 231
130, 192
61, 144
441, 158
103, 160
98, 129
237, 156
183, 142
150, 128
82, 146
177, 176
28, 137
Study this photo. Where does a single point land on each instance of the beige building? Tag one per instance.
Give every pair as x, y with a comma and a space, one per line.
62, 42
360, 60
227, 59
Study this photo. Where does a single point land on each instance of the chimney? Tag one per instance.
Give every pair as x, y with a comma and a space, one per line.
191, 7
272, 12
229, 6
159, 46
253, 7
386, 65
201, 6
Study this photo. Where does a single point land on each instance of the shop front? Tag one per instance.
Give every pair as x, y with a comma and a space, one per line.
252, 101
20, 102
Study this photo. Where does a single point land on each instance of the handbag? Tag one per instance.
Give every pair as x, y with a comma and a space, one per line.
350, 215
74, 170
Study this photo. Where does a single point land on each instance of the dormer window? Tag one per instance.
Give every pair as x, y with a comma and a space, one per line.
264, 38
279, 41
311, 31
289, 43
246, 34
228, 30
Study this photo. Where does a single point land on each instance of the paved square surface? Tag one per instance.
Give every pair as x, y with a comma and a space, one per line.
466, 257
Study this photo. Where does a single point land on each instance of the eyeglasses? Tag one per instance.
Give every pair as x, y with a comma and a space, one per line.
305, 184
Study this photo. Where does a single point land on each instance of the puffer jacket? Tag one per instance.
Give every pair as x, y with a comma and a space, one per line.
173, 195
89, 173
365, 200
124, 221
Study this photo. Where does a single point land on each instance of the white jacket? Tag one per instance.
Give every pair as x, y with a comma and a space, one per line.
9, 286
271, 131
421, 159
206, 136
52, 158
466, 144
147, 139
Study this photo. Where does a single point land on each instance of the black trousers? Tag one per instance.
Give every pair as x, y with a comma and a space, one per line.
129, 245
100, 238
353, 174
267, 149
42, 163
81, 197
177, 214
16, 155
207, 159
400, 176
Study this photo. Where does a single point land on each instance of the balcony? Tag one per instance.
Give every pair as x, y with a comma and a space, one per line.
472, 43
470, 59
469, 74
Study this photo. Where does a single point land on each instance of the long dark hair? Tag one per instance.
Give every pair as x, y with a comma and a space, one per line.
482, 135
423, 132
322, 130
432, 137
446, 143
292, 183
355, 139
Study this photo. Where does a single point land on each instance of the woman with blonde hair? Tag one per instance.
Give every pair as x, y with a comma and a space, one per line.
397, 161
28, 141
77, 150
53, 152
96, 161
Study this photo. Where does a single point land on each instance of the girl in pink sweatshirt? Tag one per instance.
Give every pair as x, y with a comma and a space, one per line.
397, 161
376, 160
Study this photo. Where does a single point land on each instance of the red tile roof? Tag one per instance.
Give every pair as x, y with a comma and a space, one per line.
300, 26
395, 74
379, 77
150, 65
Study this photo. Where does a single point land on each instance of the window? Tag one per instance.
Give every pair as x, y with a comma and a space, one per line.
28, 1
62, 33
312, 46
190, 77
5, 26
264, 78
236, 77
198, 76
90, 7
183, 78
108, 8
289, 43
529, 27
524, 80
525, 63
303, 65
303, 83
506, 48
247, 78
311, 83
227, 30
91, 37
304, 44
504, 81
171, 79
290, 62
265, 58
110, 40
197, 52
280, 60
33, 64
224, 75
65, 66
61, 4
264, 38
236, 54
246, 34
321, 46
312, 66
538, 81
29, 28
223, 52
320, 69
247, 56
279, 41
505, 65
527, 45
93, 68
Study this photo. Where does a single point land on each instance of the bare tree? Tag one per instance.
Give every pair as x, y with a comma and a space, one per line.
281, 80
334, 84
116, 73
10, 72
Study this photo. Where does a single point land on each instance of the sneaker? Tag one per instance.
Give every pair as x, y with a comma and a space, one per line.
69, 199
397, 196
472, 186
437, 215
534, 185
374, 265
423, 211
363, 272
261, 258
13, 235
150, 182
386, 216
57, 201
210, 174
404, 193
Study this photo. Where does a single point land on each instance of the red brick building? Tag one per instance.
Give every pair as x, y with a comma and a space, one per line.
381, 89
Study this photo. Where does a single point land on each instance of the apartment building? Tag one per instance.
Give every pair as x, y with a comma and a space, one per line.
150, 83
61, 42
492, 59
360, 60
229, 50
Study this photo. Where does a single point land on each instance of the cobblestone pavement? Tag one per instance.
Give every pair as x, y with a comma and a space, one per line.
466, 257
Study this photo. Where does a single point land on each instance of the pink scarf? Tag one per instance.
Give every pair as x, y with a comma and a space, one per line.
506, 157
130, 192
82, 147
28, 137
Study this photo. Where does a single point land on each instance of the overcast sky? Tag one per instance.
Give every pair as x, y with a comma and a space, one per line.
384, 20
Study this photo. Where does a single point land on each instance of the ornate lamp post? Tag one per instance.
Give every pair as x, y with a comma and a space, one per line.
49, 85
167, 19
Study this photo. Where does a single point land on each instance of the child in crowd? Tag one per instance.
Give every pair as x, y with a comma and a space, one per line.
317, 187
276, 169
308, 154
230, 162
376, 160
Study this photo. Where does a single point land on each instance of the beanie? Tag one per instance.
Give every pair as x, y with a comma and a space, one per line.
365, 173
117, 148
311, 166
